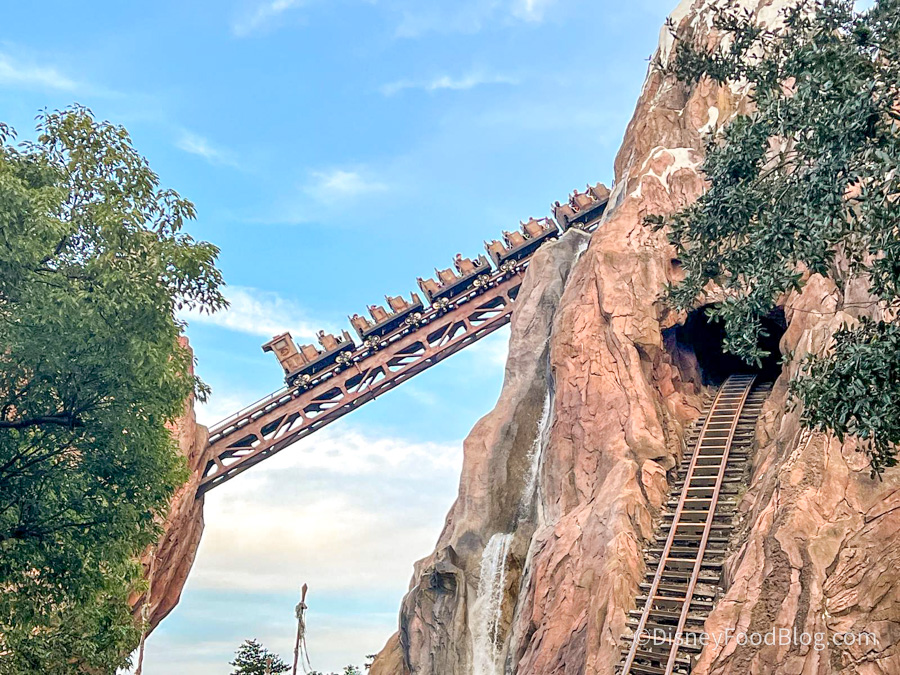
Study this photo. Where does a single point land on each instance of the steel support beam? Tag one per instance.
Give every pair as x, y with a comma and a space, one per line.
283, 418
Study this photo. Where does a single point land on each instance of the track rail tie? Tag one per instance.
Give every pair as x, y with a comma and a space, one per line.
689, 551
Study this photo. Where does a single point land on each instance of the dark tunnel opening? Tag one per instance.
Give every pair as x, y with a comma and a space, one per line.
704, 337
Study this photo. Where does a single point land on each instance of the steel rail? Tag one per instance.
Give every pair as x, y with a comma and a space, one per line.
725, 408
654, 587
432, 315
704, 538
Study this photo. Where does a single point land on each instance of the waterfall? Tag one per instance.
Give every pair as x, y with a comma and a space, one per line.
488, 608
582, 247
534, 459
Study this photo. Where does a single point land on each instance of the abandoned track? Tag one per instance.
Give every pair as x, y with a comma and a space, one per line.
685, 562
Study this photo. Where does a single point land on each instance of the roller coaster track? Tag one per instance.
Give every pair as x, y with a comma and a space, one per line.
690, 548
288, 415
284, 417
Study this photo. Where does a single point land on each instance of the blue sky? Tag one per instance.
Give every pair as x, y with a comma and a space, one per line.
336, 150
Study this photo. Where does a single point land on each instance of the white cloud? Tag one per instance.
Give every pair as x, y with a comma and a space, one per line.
257, 312
329, 638
341, 184
492, 351
344, 511
15, 73
531, 10
198, 145
446, 82
549, 116
262, 15
326, 194
218, 407
466, 16
416, 18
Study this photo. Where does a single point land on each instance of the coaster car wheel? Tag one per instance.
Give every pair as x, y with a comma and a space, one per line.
413, 320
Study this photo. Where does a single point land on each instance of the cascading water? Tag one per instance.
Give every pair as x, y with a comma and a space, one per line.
530, 496
534, 469
488, 606
488, 610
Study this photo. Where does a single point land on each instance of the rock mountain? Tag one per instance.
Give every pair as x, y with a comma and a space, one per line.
563, 482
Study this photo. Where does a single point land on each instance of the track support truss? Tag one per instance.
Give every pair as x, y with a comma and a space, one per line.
283, 418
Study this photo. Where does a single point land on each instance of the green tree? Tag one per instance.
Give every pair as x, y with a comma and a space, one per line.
93, 268
807, 182
254, 659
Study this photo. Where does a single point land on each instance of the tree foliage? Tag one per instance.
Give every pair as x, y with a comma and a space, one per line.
254, 659
807, 182
93, 267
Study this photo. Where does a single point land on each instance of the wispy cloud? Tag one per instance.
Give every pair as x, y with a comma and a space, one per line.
310, 514
262, 15
326, 194
415, 18
17, 73
447, 82
196, 144
322, 517
219, 406
531, 10
466, 16
492, 351
257, 312
341, 184
548, 116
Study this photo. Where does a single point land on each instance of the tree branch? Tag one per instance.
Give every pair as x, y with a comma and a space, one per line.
69, 420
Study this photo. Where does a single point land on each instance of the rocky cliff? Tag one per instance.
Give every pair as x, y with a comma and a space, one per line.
166, 566
562, 483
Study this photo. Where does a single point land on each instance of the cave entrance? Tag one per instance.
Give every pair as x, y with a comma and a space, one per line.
703, 337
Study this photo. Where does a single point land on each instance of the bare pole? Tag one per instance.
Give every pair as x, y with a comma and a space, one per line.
300, 612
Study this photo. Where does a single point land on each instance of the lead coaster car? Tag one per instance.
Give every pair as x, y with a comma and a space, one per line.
307, 361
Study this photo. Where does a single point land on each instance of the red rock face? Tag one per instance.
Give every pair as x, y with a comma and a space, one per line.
818, 548
569, 470
168, 564
818, 555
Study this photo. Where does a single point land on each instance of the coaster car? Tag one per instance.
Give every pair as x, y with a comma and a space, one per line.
583, 207
599, 192
564, 214
581, 200
308, 360
449, 284
386, 321
518, 245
